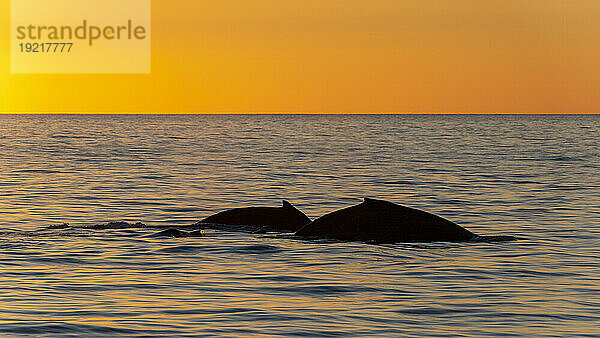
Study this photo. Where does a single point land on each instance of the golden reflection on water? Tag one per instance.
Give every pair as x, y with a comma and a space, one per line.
526, 176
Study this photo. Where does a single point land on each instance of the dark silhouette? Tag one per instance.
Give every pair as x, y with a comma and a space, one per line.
176, 233
283, 219
373, 221
385, 222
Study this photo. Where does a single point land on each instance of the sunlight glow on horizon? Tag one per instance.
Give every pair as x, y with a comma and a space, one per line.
350, 56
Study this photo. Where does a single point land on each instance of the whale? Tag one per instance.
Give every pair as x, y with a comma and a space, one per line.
381, 221
286, 218
176, 233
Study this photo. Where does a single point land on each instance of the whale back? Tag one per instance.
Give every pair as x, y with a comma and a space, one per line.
385, 222
284, 218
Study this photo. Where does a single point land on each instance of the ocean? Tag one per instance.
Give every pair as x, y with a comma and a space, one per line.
531, 176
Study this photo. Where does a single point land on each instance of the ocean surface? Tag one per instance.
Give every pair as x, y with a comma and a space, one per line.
534, 177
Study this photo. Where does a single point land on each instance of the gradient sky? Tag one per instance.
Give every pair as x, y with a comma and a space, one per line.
341, 56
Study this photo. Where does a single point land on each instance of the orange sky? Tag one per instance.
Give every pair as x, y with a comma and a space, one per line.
341, 56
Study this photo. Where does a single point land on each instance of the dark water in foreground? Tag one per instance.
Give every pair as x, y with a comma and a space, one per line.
536, 177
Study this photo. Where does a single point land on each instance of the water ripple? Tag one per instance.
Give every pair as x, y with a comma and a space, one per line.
534, 177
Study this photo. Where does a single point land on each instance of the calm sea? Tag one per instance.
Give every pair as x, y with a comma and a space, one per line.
536, 177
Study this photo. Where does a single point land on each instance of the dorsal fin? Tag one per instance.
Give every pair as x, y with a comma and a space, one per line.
286, 204
369, 200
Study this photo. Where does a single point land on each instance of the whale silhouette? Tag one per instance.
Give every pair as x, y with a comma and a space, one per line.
176, 233
282, 219
385, 222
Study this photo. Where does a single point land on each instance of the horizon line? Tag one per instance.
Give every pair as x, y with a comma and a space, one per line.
297, 113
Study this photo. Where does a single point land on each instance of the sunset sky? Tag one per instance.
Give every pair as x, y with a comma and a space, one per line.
341, 56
